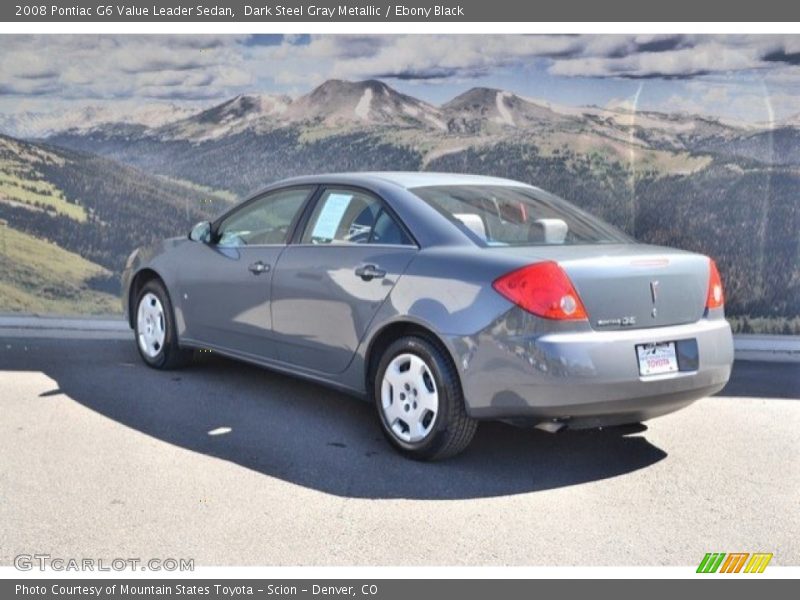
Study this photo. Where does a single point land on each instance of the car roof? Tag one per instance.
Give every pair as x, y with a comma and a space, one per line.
405, 179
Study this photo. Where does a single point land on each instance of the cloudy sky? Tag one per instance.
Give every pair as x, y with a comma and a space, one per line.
751, 78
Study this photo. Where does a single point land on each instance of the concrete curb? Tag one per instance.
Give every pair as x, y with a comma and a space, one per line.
768, 348
90, 327
57, 322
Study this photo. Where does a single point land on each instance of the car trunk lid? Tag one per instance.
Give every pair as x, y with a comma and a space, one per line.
631, 286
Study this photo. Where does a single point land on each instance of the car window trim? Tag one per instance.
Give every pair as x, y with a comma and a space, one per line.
297, 236
350, 245
313, 189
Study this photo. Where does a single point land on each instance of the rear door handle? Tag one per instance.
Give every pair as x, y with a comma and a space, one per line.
370, 272
258, 267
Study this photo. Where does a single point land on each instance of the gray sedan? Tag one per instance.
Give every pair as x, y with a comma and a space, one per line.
444, 299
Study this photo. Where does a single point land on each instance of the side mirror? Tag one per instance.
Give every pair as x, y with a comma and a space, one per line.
201, 232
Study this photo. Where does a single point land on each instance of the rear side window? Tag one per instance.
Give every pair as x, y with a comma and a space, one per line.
517, 216
344, 216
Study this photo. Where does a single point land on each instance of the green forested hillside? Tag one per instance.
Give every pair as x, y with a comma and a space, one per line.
246, 161
89, 213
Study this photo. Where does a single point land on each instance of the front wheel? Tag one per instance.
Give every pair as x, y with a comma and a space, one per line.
156, 336
419, 401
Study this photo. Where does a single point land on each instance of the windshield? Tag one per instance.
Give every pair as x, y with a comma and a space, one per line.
517, 216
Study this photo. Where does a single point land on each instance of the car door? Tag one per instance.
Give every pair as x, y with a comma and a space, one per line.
226, 283
328, 286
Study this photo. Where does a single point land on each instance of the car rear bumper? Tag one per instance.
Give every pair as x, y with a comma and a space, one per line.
588, 378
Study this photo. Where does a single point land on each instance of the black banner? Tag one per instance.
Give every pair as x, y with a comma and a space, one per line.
375, 589
265, 11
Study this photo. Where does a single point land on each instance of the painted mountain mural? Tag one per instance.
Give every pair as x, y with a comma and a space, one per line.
91, 187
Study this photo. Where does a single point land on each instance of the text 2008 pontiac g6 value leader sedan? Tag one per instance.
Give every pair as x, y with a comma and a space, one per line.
445, 299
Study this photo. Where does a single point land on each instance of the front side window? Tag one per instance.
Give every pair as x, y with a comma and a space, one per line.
352, 217
265, 221
517, 216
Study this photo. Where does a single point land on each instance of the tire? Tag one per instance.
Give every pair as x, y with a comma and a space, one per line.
154, 326
417, 394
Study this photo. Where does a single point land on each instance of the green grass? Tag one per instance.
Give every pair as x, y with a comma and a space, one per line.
38, 276
22, 184
203, 191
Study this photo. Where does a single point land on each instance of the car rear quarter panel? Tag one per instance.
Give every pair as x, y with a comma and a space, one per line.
448, 291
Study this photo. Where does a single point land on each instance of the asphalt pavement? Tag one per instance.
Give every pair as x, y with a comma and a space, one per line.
234, 465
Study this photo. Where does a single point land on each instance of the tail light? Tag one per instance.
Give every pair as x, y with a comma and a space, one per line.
544, 290
716, 296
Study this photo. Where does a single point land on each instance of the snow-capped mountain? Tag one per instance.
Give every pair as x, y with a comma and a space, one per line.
792, 121
232, 116
335, 103
40, 124
374, 104
480, 108
473, 117
370, 102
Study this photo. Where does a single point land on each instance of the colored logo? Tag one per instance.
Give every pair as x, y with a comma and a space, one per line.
735, 562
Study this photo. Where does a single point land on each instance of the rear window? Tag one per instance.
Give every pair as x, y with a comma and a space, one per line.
517, 216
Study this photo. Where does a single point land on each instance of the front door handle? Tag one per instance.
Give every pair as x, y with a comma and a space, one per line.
370, 272
258, 267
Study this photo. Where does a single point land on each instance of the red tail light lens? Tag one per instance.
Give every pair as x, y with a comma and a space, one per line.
544, 290
716, 296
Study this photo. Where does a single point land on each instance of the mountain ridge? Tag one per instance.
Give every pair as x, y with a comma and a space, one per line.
370, 102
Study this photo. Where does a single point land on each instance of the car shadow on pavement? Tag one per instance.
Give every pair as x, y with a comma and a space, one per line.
311, 436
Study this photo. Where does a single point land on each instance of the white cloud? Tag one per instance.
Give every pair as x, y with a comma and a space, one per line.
203, 68
120, 66
703, 58
420, 57
425, 57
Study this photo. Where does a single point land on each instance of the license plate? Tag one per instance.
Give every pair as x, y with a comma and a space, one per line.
656, 359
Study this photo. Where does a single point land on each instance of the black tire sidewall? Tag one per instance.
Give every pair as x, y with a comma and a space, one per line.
170, 338
434, 359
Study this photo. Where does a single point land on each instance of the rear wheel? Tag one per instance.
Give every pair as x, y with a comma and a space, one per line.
156, 335
419, 401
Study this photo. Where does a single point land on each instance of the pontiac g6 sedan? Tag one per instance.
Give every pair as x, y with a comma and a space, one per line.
444, 299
